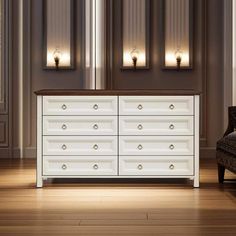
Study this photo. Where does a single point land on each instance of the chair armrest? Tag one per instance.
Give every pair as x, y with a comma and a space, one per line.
232, 120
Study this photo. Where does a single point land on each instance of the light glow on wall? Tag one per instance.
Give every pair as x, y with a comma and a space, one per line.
170, 59
64, 60
127, 59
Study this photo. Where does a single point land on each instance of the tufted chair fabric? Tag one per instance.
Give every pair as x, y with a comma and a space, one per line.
226, 147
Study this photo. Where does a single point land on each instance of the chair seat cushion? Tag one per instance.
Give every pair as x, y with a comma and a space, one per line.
228, 144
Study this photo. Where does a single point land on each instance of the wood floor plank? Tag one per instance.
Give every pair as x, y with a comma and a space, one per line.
90, 207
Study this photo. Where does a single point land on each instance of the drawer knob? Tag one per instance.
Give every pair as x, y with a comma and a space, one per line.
172, 107
172, 167
95, 147
64, 127
140, 127
64, 167
95, 127
95, 107
172, 147
140, 167
64, 107
140, 107
140, 147
95, 167
172, 126
64, 147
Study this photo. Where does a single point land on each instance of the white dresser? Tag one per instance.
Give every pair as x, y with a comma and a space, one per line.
117, 134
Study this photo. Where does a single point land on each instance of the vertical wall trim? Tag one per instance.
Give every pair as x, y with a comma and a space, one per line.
21, 76
228, 58
95, 44
234, 51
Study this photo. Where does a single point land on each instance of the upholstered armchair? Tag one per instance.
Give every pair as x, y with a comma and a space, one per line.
226, 147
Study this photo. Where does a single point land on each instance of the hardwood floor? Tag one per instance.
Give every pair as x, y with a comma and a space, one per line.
154, 207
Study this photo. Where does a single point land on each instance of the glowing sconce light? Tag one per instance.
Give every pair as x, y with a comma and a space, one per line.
134, 56
57, 55
178, 57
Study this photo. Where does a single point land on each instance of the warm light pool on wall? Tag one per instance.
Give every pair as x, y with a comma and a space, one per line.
135, 34
178, 26
58, 34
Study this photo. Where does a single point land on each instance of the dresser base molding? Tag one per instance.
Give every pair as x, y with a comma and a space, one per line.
71, 146
195, 181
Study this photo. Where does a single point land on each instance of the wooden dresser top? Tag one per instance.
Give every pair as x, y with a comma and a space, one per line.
84, 92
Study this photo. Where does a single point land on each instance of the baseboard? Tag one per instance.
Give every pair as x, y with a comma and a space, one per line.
30, 152
5, 153
208, 152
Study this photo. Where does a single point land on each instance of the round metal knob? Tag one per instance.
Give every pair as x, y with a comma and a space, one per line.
95, 126
140, 167
64, 147
95, 167
140, 147
64, 127
64, 107
140, 107
171, 126
172, 167
140, 127
171, 147
95, 147
64, 167
172, 107
95, 107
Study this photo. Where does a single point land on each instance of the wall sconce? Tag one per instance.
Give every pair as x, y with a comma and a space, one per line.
58, 29
178, 42
135, 36
178, 56
134, 56
57, 57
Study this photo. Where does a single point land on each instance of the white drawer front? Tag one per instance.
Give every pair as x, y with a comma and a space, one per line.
156, 145
79, 125
79, 145
154, 166
80, 105
156, 125
156, 105
76, 166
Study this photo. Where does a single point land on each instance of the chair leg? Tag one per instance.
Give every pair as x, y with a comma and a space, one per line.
221, 173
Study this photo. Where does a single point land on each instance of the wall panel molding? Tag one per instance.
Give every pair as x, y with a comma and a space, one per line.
228, 58
58, 24
178, 30
135, 32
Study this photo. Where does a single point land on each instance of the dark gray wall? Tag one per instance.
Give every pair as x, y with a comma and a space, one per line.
44, 79
206, 75
55, 79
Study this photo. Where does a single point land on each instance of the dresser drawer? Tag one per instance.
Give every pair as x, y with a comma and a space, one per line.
156, 125
76, 166
153, 166
156, 105
79, 125
156, 145
80, 105
79, 145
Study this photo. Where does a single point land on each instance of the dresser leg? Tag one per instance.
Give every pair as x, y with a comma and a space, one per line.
39, 183
196, 182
